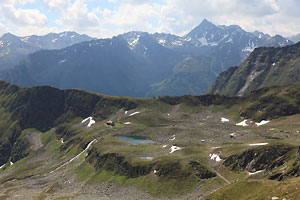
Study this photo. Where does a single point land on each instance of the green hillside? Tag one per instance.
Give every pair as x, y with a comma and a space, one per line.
56, 144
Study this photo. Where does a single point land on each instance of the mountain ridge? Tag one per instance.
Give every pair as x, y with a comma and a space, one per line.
13, 48
265, 67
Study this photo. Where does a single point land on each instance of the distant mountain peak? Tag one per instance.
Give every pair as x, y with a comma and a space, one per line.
202, 29
9, 36
205, 24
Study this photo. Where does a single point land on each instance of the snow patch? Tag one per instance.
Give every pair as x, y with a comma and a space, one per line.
252, 173
133, 43
164, 146
250, 78
250, 47
232, 134
11, 163
174, 148
177, 43
62, 140
54, 40
215, 147
2, 166
62, 61
173, 138
243, 123
72, 36
258, 144
154, 171
87, 147
275, 198
127, 123
203, 41
263, 122
229, 40
134, 113
126, 112
215, 157
273, 64
162, 42
223, 120
91, 121
188, 39
212, 44
25, 39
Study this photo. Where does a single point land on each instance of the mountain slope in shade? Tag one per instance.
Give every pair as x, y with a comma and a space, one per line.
265, 67
106, 65
13, 48
161, 59
193, 75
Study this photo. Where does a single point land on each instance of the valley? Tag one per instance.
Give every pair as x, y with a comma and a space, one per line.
189, 147
149, 100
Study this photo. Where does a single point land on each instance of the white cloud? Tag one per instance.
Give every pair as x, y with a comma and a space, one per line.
170, 16
23, 17
130, 1
57, 5
78, 17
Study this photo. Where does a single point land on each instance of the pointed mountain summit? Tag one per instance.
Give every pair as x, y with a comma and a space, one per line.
203, 29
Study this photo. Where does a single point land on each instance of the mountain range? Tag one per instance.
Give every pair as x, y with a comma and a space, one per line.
141, 64
13, 48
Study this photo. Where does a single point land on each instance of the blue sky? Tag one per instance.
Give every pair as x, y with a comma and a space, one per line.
106, 18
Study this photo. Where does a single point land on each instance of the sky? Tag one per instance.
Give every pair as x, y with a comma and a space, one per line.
107, 18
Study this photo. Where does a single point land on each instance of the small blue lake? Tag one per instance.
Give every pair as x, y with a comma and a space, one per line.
134, 139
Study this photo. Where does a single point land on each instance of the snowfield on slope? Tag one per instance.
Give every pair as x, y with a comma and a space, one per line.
243, 123
263, 122
91, 121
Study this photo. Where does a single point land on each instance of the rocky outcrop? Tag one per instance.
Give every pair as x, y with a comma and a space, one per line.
201, 171
262, 158
265, 67
292, 171
117, 164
